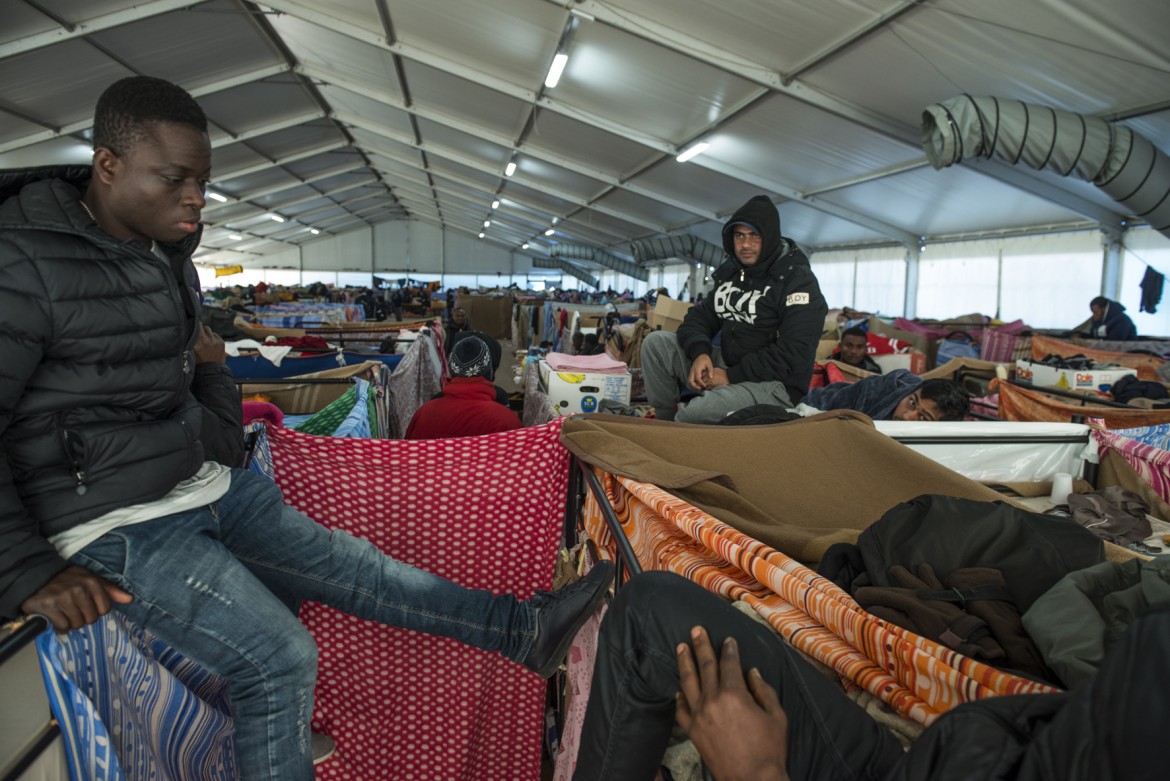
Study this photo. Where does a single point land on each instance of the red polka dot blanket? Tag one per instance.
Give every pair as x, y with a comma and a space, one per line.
484, 511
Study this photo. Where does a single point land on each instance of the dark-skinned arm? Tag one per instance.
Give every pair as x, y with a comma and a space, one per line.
214, 387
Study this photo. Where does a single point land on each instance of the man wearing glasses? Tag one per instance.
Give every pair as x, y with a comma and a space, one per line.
753, 339
898, 395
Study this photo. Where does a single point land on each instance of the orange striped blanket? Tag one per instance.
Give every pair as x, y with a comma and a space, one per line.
918, 678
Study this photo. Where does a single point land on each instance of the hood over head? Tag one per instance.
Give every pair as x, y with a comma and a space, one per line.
761, 214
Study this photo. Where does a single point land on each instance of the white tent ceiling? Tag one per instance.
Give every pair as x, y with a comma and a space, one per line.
336, 114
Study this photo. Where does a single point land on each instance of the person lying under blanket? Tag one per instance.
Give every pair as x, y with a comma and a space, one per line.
898, 395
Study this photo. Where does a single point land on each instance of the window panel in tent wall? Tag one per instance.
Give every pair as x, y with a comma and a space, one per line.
1050, 289
207, 278
674, 277
354, 279
836, 277
949, 287
1145, 247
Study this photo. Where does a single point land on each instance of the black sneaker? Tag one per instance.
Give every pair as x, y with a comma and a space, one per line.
559, 614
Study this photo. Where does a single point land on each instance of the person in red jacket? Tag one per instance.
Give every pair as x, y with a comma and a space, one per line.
468, 406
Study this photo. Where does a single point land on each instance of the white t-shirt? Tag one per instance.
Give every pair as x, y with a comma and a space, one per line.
207, 485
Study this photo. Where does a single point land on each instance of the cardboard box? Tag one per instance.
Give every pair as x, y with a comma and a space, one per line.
914, 361
1070, 379
668, 314
826, 347
576, 392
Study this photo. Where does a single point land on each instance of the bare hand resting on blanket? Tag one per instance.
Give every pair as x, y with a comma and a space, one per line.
739, 735
74, 598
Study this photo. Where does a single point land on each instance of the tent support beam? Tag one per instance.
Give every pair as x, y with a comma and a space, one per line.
913, 257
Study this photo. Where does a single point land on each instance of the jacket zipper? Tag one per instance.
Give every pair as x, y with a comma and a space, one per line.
78, 466
186, 352
177, 291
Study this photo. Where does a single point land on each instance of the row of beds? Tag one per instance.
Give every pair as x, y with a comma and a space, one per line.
407, 706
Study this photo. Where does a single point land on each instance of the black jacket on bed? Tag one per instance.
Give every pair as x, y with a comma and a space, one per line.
96, 374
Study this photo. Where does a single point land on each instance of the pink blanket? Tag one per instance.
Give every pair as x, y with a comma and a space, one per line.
600, 363
483, 511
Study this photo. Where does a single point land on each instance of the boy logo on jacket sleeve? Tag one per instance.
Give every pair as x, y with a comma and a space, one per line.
795, 299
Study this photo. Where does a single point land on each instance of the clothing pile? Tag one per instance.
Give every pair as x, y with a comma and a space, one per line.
1024, 592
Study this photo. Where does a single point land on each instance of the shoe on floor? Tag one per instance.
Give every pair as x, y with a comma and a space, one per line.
559, 614
322, 746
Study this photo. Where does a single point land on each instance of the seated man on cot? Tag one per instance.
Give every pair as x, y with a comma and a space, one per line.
107, 500
755, 709
767, 312
1110, 321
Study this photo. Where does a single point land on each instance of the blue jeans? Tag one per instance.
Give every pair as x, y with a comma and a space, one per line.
217, 584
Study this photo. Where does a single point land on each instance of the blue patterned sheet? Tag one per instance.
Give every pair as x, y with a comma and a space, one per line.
131, 708
1154, 436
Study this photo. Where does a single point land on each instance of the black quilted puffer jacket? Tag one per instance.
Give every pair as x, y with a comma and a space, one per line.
96, 373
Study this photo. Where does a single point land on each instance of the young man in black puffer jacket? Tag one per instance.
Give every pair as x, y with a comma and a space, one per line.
768, 312
107, 496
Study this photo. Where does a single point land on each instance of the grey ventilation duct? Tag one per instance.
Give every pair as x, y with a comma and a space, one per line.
568, 268
600, 257
1125, 165
684, 247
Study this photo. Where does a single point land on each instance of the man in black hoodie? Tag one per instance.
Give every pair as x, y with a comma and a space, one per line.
768, 313
1110, 321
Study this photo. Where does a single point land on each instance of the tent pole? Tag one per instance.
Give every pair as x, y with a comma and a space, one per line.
913, 254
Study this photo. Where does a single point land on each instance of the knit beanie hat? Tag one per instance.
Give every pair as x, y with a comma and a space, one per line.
470, 357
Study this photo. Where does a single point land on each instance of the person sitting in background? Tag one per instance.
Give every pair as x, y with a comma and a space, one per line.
1110, 321
590, 345
854, 351
898, 395
459, 321
497, 356
468, 405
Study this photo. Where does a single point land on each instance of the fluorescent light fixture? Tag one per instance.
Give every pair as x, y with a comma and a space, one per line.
216, 197
511, 169
524, 245
276, 218
560, 59
550, 231
495, 204
314, 231
555, 220
487, 223
235, 236
695, 149
481, 234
